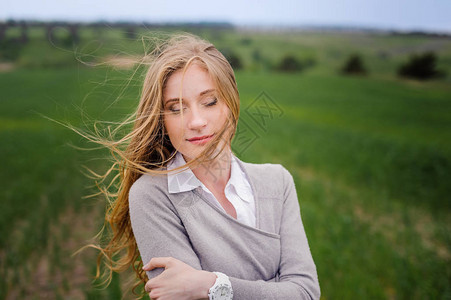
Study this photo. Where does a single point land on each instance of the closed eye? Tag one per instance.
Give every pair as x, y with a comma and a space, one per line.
214, 102
175, 108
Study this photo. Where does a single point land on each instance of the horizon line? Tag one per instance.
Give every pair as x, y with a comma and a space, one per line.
239, 25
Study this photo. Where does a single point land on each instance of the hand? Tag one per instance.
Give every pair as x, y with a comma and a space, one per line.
178, 280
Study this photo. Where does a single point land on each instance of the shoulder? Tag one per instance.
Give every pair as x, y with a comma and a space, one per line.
148, 187
149, 197
268, 179
267, 171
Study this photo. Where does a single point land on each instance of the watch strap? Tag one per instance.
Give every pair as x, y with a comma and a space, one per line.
222, 279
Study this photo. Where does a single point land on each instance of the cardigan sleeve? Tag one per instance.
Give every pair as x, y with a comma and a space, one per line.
297, 277
159, 231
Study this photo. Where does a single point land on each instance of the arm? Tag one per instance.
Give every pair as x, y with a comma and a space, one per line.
165, 247
178, 280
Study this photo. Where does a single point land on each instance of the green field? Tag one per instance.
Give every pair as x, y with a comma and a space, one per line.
371, 157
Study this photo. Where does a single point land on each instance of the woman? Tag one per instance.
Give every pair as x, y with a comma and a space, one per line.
208, 225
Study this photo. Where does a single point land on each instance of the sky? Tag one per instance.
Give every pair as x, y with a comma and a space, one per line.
432, 15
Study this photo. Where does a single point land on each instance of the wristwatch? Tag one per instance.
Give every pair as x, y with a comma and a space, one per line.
222, 289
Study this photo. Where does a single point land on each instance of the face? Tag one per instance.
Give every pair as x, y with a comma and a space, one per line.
203, 113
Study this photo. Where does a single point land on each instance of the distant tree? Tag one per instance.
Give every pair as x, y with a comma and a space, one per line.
421, 67
3, 28
10, 49
73, 31
256, 55
235, 61
233, 58
50, 33
246, 41
130, 33
23, 32
289, 63
354, 66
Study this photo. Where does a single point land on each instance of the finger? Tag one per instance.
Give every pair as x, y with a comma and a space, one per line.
147, 287
154, 294
157, 262
151, 284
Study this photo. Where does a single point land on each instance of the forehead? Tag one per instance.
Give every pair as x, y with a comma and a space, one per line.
195, 80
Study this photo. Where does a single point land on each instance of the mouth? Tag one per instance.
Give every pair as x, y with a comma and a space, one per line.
201, 139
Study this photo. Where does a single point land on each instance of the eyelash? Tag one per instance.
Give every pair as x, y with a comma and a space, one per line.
215, 100
212, 103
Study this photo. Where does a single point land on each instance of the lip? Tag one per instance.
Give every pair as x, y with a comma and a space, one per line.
201, 139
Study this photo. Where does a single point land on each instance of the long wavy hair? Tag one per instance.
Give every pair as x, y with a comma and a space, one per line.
147, 148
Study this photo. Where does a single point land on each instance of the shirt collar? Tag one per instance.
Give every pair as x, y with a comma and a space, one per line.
185, 180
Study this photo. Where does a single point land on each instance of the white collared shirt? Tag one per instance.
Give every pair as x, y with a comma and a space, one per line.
238, 190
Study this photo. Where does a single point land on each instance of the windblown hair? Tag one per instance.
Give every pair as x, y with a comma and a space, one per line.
147, 148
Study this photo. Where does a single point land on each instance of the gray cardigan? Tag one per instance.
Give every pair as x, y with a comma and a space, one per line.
271, 261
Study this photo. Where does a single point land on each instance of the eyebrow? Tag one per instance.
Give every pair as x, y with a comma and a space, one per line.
200, 95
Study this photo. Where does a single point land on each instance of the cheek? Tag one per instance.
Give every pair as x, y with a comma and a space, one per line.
173, 128
225, 113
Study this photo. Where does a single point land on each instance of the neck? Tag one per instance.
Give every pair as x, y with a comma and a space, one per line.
215, 174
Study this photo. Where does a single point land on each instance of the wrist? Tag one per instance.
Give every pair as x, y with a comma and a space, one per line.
207, 280
222, 288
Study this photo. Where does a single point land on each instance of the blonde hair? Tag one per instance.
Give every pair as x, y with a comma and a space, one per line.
147, 149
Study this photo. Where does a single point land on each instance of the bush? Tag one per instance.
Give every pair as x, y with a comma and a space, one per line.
246, 41
130, 33
256, 55
67, 41
289, 63
354, 66
233, 58
10, 49
421, 67
235, 61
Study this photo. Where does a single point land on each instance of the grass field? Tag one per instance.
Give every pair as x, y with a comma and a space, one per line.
371, 157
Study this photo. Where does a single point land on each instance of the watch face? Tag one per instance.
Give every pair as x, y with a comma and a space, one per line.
222, 292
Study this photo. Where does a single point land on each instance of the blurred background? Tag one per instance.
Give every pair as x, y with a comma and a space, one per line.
352, 97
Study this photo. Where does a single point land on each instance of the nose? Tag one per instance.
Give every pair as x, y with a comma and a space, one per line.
196, 119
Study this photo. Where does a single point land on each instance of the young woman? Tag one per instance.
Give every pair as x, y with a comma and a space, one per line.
207, 225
